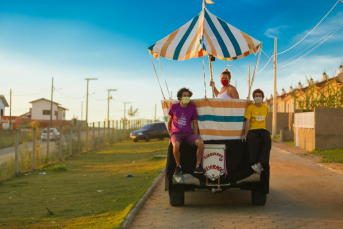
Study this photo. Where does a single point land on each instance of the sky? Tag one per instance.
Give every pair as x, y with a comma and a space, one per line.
108, 40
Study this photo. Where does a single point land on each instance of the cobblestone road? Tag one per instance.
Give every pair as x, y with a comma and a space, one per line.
302, 195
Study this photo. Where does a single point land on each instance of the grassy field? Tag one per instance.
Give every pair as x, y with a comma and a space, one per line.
88, 191
7, 138
335, 155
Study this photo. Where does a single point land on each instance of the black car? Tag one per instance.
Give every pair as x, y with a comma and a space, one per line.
150, 131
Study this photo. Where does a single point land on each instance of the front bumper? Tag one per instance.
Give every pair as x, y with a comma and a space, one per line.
137, 137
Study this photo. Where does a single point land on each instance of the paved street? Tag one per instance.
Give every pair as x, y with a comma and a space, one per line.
302, 195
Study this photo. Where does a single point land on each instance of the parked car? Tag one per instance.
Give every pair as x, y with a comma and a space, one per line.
150, 131
54, 134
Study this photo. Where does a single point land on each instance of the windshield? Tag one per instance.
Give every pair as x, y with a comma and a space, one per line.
46, 131
148, 126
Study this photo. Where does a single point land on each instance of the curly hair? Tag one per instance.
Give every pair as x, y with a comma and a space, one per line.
181, 91
258, 91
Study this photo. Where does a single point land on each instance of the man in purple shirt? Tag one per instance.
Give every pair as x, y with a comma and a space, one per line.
180, 117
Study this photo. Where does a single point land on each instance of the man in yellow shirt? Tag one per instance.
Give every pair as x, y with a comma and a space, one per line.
256, 134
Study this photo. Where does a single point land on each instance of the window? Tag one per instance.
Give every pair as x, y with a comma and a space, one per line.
1, 112
46, 112
64, 114
56, 113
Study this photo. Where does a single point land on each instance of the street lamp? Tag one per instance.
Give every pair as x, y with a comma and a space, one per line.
108, 103
88, 79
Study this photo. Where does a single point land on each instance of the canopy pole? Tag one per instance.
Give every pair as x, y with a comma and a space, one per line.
255, 70
203, 67
210, 61
157, 75
164, 78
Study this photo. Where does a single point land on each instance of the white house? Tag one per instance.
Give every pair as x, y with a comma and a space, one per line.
41, 110
3, 104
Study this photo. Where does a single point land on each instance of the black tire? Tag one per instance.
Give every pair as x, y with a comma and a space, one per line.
147, 138
135, 140
258, 197
176, 195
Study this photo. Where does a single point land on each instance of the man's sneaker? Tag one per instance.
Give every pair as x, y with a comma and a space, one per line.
178, 170
257, 168
199, 169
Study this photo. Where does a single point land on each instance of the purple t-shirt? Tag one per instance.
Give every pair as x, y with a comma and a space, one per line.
182, 117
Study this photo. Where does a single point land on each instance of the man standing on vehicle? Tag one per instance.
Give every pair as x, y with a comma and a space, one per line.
180, 117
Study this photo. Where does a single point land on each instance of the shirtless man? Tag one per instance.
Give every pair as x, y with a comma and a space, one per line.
227, 91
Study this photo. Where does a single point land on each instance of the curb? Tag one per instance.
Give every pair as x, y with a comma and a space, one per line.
319, 164
133, 212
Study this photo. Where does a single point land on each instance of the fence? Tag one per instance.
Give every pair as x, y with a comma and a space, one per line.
304, 121
73, 140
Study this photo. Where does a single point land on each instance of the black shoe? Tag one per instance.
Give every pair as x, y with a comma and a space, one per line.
178, 170
199, 169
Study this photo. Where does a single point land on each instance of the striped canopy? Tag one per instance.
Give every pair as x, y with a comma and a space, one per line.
205, 34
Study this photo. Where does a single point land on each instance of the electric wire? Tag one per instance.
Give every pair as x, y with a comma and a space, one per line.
31, 94
310, 31
69, 96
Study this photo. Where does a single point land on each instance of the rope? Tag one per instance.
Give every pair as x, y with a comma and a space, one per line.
203, 67
156, 75
266, 63
256, 65
164, 78
311, 30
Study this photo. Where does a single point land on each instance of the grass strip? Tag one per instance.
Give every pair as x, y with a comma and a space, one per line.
91, 190
329, 156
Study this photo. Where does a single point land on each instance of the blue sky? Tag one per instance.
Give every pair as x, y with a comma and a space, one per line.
108, 40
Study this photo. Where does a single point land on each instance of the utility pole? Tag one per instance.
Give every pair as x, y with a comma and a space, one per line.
81, 110
88, 79
52, 92
155, 112
10, 109
125, 109
249, 84
108, 103
274, 122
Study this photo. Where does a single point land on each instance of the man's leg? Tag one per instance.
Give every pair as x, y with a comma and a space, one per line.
266, 146
253, 143
200, 144
176, 152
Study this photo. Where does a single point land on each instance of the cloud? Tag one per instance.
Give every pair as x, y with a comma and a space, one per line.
274, 32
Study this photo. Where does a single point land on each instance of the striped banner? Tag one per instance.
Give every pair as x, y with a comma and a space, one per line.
218, 119
205, 34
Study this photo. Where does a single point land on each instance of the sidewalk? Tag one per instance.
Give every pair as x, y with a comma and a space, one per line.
336, 167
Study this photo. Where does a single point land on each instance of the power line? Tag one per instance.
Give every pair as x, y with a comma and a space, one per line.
311, 30
312, 48
311, 45
69, 96
33, 93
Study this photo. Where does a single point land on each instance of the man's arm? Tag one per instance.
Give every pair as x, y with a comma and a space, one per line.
233, 93
195, 127
169, 123
247, 127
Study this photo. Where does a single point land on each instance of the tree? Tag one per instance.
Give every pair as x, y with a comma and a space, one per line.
132, 113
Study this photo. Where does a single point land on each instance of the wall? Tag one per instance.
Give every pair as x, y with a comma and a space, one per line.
60, 114
39, 106
286, 135
4, 124
306, 138
282, 122
328, 128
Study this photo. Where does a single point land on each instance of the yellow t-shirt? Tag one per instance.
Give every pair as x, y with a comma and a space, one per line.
257, 116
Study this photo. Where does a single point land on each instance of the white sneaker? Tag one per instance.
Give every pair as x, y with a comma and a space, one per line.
257, 168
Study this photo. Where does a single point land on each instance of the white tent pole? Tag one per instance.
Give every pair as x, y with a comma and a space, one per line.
211, 73
274, 121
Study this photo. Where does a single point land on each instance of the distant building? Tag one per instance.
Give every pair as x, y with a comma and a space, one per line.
3, 105
41, 110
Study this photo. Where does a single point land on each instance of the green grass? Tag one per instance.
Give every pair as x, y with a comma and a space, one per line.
276, 139
289, 143
7, 138
335, 155
91, 190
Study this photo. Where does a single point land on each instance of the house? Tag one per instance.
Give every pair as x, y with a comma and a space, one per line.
41, 110
3, 105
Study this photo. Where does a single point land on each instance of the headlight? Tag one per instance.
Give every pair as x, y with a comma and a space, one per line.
140, 133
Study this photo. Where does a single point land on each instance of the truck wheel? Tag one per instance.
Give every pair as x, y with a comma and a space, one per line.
176, 195
161, 138
147, 138
135, 140
258, 197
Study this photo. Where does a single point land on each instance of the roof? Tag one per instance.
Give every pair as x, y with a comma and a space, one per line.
43, 99
63, 108
205, 34
3, 100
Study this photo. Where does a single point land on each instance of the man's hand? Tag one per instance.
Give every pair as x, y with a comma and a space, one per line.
244, 139
212, 83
